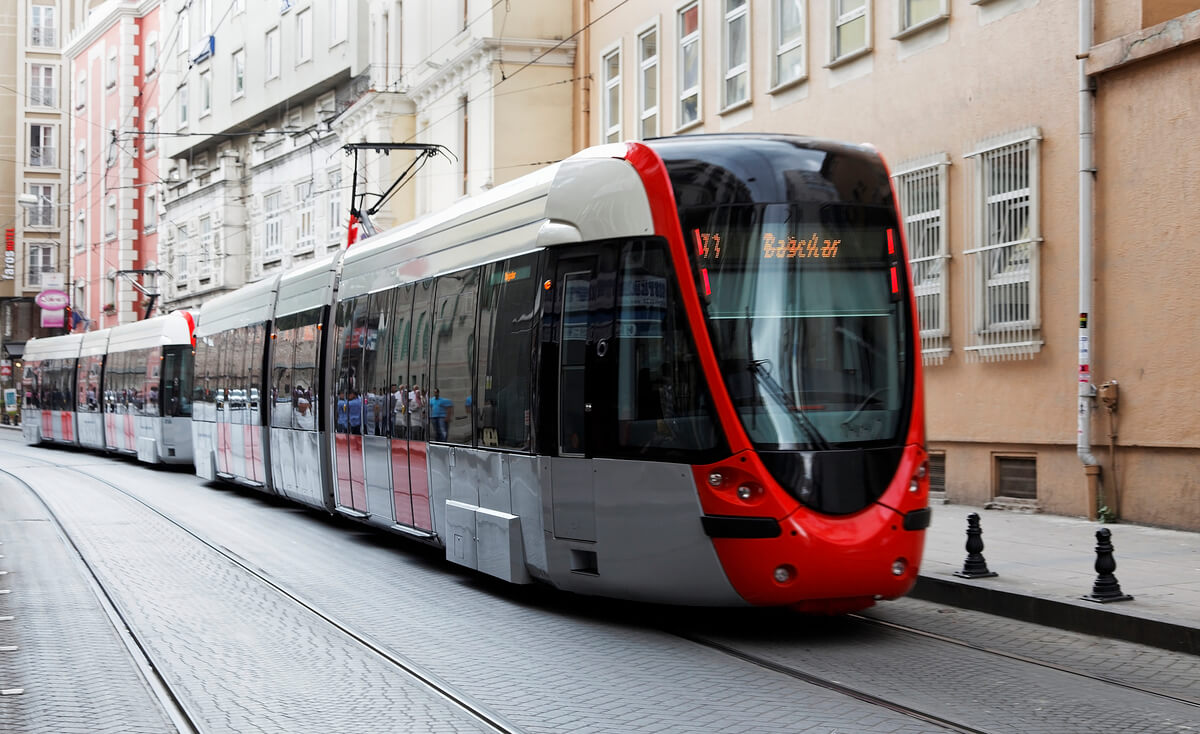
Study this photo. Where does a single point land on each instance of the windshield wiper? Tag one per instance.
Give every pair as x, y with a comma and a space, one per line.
758, 368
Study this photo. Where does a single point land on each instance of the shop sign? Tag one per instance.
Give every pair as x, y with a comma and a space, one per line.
10, 254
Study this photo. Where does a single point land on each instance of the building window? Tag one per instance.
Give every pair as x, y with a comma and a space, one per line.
43, 29
151, 58
1015, 477
81, 161
41, 262
185, 30
181, 266
110, 73
611, 114
205, 7
43, 92
648, 83
150, 212
110, 159
273, 224
271, 52
465, 142
688, 81
205, 93
334, 208
81, 91
921, 187
337, 22
237, 6
914, 13
42, 153
304, 36
151, 136
239, 72
41, 214
183, 105
851, 31
1003, 267
110, 218
305, 229
789, 42
208, 251
736, 61
81, 232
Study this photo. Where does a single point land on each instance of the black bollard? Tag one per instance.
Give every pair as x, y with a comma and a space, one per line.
975, 567
1105, 588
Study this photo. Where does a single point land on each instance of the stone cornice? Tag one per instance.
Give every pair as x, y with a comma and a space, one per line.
1132, 47
485, 52
370, 107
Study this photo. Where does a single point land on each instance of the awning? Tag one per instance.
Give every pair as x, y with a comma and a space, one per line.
14, 350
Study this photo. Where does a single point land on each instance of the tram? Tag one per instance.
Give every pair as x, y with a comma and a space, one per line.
126, 389
682, 371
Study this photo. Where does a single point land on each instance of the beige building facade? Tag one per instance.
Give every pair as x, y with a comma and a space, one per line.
976, 105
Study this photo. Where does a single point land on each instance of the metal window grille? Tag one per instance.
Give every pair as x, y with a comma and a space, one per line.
1016, 477
273, 224
1003, 266
937, 472
921, 187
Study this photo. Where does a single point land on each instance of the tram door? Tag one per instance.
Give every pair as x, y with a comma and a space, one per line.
410, 360
583, 298
348, 409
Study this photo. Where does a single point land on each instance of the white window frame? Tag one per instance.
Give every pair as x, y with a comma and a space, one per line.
41, 95
43, 34
150, 143
304, 36
779, 47
112, 154
110, 218
81, 93
333, 208
206, 93
729, 70
306, 229
649, 64
1015, 161
238, 66
150, 63
48, 254
81, 160
907, 26
81, 231
272, 224
921, 187
837, 19
112, 70
339, 19
41, 215
271, 52
150, 212
181, 264
695, 37
45, 152
184, 39
610, 133
181, 109
208, 248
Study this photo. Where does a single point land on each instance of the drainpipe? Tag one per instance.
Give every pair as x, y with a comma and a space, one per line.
1087, 178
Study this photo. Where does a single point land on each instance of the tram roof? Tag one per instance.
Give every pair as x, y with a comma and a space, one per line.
171, 328
95, 342
250, 304
308, 287
53, 347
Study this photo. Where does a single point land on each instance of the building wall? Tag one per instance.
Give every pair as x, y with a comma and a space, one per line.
945, 89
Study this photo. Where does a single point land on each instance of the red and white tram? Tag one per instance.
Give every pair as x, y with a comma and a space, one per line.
680, 371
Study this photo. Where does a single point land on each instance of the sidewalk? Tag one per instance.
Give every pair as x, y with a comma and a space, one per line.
1047, 562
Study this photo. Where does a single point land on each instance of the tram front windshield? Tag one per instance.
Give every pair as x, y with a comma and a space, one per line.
807, 318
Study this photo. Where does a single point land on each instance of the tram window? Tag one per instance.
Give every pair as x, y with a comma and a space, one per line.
283, 357
451, 403
375, 395
401, 391
255, 356
663, 404
306, 345
152, 372
507, 311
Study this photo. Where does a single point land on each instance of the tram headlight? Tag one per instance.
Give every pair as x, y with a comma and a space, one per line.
899, 566
745, 492
715, 479
784, 573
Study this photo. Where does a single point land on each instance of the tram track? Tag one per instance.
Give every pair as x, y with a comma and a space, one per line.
182, 715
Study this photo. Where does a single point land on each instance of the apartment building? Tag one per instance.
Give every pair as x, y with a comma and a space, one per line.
977, 106
33, 167
113, 58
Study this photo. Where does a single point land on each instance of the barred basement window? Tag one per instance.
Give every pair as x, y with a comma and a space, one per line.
921, 186
1016, 477
937, 471
1002, 268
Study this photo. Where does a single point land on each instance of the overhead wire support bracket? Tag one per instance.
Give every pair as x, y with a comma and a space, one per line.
426, 151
